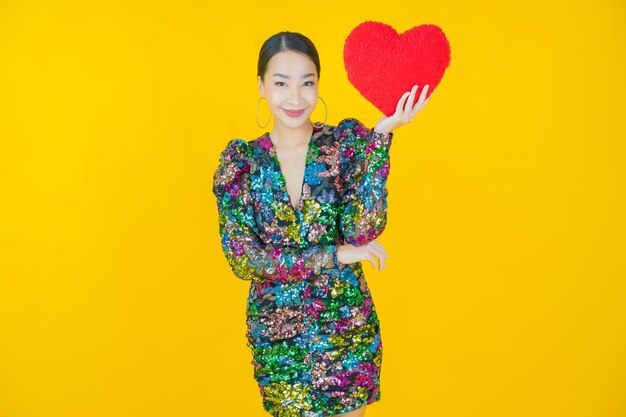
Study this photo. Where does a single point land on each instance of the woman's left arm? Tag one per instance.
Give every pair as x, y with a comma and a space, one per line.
365, 166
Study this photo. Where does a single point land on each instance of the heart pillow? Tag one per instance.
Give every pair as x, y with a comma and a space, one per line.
383, 64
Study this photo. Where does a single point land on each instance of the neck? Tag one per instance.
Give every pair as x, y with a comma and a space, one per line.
291, 138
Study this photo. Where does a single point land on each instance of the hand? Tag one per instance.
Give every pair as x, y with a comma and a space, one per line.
372, 251
404, 112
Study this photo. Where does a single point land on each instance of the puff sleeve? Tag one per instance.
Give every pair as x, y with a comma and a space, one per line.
364, 162
249, 258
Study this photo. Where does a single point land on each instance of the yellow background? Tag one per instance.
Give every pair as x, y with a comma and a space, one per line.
504, 294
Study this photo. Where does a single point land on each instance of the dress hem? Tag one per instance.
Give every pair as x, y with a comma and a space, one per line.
341, 412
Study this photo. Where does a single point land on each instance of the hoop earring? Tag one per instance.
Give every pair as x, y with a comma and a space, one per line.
257, 115
326, 117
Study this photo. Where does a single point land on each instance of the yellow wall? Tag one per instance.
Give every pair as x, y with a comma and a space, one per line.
504, 294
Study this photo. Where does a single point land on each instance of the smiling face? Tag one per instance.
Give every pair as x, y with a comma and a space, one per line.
290, 83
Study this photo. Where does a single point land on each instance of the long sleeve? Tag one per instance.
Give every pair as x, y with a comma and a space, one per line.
248, 257
364, 169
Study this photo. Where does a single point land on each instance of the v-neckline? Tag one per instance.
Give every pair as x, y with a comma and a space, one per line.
273, 153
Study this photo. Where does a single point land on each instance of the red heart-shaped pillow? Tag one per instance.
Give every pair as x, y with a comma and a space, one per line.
383, 64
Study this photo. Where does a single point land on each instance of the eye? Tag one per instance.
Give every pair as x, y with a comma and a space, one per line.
310, 82
279, 82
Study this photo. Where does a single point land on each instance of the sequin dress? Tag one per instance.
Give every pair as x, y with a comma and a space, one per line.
311, 322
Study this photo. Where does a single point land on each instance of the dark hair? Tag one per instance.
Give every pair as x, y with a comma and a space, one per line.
286, 41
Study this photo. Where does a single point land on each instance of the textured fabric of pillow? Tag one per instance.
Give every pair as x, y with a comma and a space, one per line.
383, 64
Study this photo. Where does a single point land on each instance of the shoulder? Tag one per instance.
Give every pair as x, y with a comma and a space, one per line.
236, 151
349, 123
231, 170
234, 164
351, 127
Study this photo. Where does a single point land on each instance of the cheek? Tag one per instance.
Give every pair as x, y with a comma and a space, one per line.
276, 97
311, 96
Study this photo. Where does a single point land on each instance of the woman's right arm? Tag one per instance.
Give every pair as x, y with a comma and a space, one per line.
248, 257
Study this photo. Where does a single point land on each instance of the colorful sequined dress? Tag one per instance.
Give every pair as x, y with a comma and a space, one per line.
311, 321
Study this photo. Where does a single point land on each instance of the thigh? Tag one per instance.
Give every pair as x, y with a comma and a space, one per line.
359, 412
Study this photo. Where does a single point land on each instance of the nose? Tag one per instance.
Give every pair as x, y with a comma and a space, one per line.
294, 95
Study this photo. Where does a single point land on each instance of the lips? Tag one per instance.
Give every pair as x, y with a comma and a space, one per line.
294, 113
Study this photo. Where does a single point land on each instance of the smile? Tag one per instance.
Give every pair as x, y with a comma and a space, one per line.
294, 113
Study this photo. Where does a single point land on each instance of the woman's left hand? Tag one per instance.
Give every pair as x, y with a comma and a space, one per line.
404, 112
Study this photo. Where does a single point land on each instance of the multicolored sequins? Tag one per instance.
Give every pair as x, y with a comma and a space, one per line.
311, 322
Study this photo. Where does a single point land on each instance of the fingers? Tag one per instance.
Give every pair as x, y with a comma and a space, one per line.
421, 102
377, 250
377, 243
381, 258
407, 109
409, 112
402, 102
372, 258
423, 94
374, 252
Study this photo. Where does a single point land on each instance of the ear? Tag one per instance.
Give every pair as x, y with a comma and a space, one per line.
261, 87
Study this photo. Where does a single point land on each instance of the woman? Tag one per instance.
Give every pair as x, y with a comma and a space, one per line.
299, 210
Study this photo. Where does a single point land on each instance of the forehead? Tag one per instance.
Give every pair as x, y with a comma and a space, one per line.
291, 63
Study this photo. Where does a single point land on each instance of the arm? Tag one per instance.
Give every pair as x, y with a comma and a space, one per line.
364, 170
248, 257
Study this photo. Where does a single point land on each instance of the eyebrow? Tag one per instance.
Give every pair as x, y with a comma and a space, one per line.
285, 76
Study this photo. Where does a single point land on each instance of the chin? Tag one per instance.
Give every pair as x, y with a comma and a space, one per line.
288, 121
